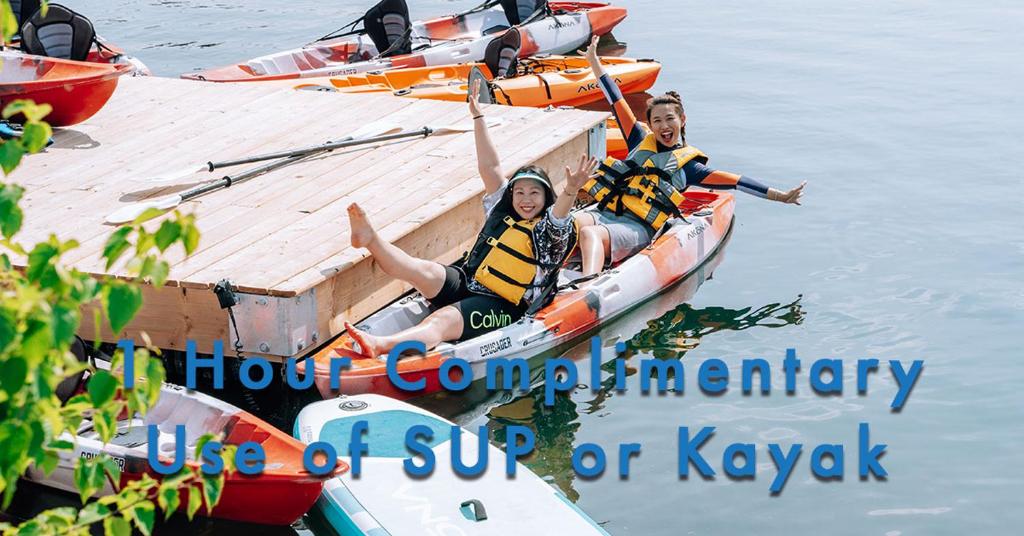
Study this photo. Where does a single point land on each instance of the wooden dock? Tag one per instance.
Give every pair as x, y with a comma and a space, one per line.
282, 239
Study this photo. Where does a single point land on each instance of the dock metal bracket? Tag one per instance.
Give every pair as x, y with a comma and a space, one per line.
276, 326
597, 141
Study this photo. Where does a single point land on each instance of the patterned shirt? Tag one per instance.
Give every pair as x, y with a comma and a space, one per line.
551, 237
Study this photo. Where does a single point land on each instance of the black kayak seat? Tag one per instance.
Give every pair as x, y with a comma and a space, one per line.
518, 11
502, 52
387, 25
62, 33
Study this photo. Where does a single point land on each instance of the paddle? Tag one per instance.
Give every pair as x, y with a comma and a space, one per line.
372, 130
133, 211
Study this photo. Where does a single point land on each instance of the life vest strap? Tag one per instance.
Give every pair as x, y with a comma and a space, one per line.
493, 242
508, 279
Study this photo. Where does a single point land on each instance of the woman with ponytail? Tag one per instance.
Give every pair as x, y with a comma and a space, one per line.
620, 226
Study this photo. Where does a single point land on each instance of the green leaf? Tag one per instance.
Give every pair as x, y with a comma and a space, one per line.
85, 475
64, 516
10, 213
92, 513
13, 373
31, 110
213, 485
195, 500
105, 422
10, 156
167, 234
144, 514
147, 215
102, 387
155, 377
50, 461
159, 273
61, 444
111, 468
8, 328
35, 136
116, 245
169, 500
123, 302
40, 264
191, 239
64, 323
117, 526
8, 23
35, 342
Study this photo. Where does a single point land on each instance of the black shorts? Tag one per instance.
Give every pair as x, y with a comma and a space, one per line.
481, 313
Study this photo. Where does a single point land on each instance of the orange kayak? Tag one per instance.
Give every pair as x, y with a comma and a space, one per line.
543, 81
75, 89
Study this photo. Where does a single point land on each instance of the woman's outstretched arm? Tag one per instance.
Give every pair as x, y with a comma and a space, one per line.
700, 175
486, 155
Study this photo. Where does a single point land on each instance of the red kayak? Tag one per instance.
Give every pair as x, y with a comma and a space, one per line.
279, 495
75, 89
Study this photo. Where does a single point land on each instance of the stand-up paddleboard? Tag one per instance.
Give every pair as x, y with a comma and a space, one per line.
386, 501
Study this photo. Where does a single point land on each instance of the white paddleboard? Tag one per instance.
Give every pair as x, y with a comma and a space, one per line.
385, 500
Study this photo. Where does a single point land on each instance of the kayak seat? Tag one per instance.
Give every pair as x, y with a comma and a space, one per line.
388, 24
502, 53
519, 11
62, 33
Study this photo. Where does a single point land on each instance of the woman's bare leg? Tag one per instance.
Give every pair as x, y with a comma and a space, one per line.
425, 276
444, 324
595, 247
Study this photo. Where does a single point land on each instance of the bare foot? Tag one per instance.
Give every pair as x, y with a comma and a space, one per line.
369, 345
362, 232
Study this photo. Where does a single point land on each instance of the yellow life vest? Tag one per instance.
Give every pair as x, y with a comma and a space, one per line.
504, 260
642, 184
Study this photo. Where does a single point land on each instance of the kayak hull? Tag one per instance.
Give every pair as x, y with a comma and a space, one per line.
680, 250
278, 496
386, 500
449, 40
76, 90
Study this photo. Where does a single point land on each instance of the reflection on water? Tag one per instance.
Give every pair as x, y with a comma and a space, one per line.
680, 330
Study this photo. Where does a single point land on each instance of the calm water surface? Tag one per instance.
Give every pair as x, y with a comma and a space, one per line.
906, 120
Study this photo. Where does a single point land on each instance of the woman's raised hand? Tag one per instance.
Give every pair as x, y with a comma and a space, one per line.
474, 99
592, 58
575, 179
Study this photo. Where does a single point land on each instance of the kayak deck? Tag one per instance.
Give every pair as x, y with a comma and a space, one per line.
282, 238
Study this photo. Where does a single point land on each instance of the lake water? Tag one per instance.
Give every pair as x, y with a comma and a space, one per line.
906, 119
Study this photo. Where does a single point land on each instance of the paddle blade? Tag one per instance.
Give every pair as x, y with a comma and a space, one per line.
181, 174
467, 126
131, 212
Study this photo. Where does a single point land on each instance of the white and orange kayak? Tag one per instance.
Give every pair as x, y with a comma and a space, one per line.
446, 40
540, 81
279, 495
683, 246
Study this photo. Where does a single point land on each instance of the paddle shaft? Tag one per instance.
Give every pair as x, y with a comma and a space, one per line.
329, 146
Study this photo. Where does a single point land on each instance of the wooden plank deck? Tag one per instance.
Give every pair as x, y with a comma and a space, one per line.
283, 235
